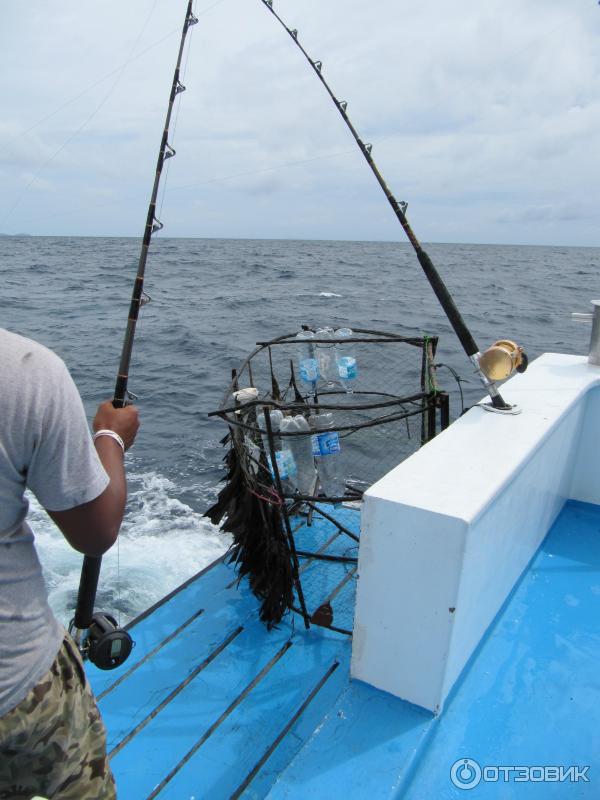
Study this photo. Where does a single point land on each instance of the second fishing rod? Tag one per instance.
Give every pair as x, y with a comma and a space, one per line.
488, 364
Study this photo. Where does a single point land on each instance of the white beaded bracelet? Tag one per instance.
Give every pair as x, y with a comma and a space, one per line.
112, 435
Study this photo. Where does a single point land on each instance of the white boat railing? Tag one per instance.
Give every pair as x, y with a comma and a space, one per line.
447, 533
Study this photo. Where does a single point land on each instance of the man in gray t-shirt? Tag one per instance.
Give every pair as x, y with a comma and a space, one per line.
51, 737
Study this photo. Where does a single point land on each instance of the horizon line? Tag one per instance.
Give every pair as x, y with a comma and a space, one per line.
287, 239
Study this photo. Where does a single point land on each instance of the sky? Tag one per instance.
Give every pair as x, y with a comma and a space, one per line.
484, 115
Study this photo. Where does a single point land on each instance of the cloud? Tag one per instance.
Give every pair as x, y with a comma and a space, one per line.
550, 213
487, 110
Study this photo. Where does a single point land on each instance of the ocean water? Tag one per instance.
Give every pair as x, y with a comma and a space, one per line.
212, 300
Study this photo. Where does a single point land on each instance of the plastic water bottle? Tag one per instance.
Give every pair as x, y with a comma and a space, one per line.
253, 451
326, 449
346, 361
308, 363
276, 416
242, 397
301, 448
286, 466
326, 356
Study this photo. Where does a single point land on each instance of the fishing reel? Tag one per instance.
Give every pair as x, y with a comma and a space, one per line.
502, 360
104, 643
498, 363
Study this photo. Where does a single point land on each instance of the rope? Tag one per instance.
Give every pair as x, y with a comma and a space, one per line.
273, 500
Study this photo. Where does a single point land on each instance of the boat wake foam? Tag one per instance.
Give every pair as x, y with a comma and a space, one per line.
163, 542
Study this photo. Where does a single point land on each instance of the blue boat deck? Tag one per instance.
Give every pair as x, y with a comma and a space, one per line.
212, 705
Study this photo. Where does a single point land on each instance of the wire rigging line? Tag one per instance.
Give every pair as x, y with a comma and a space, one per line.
459, 383
177, 112
93, 86
106, 76
223, 178
120, 71
89, 118
272, 168
137, 41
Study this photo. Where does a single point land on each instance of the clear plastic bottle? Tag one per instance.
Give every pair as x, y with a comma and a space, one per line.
253, 451
242, 397
326, 449
284, 458
302, 451
308, 364
327, 356
346, 360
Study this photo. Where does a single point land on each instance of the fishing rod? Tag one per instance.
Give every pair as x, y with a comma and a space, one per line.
97, 635
503, 357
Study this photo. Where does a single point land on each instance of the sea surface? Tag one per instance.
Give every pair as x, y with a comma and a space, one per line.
212, 300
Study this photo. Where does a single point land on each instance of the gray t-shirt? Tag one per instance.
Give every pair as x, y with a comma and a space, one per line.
45, 445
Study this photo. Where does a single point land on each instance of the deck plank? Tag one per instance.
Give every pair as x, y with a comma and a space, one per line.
360, 750
196, 653
299, 733
153, 629
343, 606
160, 746
314, 536
221, 765
133, 700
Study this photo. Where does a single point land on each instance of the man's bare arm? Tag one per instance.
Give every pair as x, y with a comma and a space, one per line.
92, 528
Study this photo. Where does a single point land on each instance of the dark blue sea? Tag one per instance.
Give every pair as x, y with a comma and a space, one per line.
211, 301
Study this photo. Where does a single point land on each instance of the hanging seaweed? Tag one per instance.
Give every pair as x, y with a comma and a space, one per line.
260, 550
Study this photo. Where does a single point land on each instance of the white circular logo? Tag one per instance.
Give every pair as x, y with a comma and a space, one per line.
465, 773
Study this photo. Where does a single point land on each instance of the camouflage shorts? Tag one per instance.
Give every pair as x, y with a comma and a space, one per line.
53, 743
